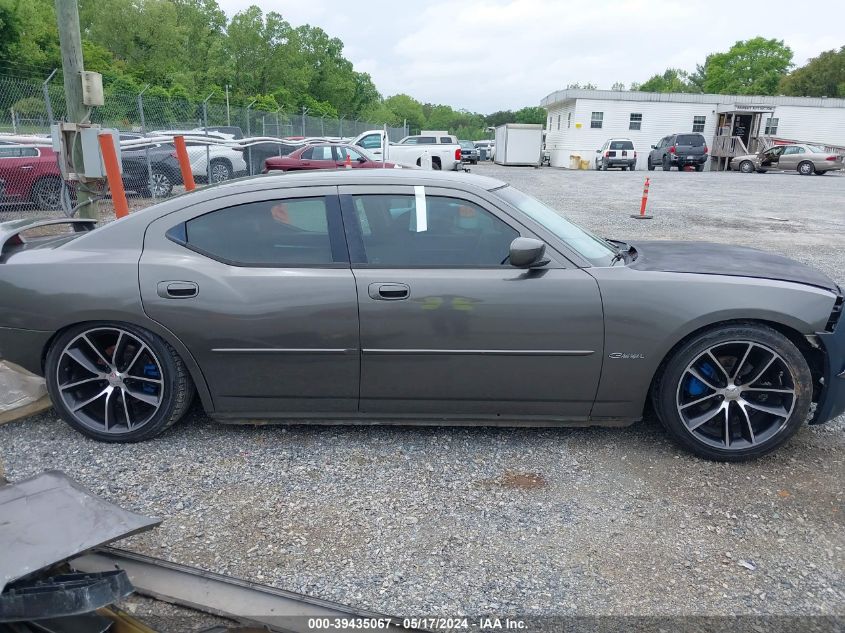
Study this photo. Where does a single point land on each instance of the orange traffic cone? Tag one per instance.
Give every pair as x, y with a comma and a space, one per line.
348, 161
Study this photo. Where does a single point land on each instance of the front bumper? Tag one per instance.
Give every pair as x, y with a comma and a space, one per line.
832, 398
24, 347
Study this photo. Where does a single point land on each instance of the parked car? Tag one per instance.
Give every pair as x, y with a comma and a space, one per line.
163, 174
31, 174
485, 149
803, 158
679, 150
325, 156
384, 295
226, 162
444, 150
617, 152
469, 154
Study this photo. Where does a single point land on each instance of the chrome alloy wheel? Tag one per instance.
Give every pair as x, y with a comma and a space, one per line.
735, 395
110, 380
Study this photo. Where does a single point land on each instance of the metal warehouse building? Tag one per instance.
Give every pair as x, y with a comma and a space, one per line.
580, 121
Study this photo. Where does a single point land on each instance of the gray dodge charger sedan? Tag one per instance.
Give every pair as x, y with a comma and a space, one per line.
400, 296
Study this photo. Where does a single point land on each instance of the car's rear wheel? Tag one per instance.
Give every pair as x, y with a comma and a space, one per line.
603, 166
667, 164
734, 393
746, 167
47, 194
699, 168
806, 168
220, 170
117, 382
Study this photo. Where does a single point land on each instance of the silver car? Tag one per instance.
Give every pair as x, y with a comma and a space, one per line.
407, 296
805, 159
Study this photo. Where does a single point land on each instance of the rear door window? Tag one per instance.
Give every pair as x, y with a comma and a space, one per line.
272, 233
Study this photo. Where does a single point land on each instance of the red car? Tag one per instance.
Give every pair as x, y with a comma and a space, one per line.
31, 176
324, 156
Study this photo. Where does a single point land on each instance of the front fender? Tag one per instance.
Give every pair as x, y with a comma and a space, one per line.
647, 313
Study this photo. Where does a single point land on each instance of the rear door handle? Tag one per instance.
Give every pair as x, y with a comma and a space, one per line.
177, 289
389, 292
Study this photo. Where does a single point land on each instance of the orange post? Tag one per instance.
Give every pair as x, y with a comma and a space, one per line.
642, 215
184, 163
348, 162
118, 193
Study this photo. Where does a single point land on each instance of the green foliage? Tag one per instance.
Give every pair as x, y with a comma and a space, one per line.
10, 30
672, 80
753, 67
823, 76
30, 107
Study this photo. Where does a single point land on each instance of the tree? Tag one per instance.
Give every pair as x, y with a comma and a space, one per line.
530, 114
10, 30
822, 76
618, 85
577, 86
754, 66
406, 108
672, 80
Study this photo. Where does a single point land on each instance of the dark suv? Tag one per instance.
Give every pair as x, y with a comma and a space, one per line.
679, 150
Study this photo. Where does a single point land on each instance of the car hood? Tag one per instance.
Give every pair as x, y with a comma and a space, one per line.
736, 159
724, 259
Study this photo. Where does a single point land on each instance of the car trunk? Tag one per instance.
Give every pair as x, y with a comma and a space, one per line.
27, 234
690, 146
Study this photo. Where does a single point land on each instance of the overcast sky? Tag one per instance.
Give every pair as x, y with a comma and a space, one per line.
487, 55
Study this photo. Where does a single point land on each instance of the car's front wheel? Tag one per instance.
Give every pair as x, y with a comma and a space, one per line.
650, 164
746, 167
735, 392
117, 382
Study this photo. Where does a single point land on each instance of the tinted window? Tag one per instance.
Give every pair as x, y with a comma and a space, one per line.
268, 233
321, 152
442, 232
419, 140
793, 149
373, 141
11, 151
621, 145
445, 139
690, 140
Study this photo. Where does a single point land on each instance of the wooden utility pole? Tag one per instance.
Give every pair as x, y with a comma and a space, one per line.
70, 40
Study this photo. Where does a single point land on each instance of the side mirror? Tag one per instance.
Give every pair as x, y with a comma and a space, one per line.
361, 159
526, 252
654, 147
598, 151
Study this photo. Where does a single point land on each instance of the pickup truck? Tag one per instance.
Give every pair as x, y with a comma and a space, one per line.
444, 150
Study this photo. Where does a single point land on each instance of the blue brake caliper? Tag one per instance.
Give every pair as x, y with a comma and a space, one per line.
150, 371
694, 386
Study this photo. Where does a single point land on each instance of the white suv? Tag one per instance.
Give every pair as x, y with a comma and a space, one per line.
617, 152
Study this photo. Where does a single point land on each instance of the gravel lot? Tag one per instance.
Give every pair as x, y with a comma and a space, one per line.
431, 521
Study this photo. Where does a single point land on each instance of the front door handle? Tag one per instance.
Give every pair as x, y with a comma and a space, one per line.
177, 289
389, 292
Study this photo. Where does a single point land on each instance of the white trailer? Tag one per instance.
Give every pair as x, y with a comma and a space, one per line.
519, 144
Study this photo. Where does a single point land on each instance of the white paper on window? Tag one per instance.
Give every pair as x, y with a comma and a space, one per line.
422, 214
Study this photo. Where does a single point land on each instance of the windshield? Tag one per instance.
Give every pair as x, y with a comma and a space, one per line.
467, 145
366, 153
592, 248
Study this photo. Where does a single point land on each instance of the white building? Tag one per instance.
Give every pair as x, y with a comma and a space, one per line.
580, 121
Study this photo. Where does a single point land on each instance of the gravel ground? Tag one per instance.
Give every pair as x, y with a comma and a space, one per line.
442, 521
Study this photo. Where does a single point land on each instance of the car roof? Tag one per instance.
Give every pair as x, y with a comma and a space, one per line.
339, 177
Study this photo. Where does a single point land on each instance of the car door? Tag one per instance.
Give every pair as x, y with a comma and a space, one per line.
791, 156
448, 328
372, 143
258, 287
17, 171
317, 157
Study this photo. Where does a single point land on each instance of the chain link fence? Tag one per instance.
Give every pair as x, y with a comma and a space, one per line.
30, 178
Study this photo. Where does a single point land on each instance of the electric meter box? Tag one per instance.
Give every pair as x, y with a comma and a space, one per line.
92, 88
64, 135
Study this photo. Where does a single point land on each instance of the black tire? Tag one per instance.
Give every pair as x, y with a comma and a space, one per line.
667, 164
221, 170
669, 388
624, 168
746, 167
632, 168
175, 387
603, 166
699, 168
435, 164
46, 193
650, 164
806, 168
